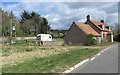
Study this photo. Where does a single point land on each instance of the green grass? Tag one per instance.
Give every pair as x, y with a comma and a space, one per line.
27, 42
9, 49
72, 44
51, 64
98, 44
104, 44
57, 39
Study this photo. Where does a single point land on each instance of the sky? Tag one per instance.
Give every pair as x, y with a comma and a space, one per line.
61, 14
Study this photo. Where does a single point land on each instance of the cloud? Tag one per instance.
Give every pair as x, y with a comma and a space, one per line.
61, 14
112, 19
60, 1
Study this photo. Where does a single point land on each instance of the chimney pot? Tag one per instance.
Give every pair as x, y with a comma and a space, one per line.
88, 17
102, 21
73, 22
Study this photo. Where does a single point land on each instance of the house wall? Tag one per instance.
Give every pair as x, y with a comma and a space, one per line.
75, 36
104, 36
110, 37
101, 33
97, 38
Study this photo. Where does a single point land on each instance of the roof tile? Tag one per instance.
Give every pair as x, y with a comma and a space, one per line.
98, 24
87, 29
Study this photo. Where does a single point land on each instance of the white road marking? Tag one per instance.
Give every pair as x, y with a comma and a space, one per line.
92, 58
98, 54
84, 61
72, 68
67, 71
105, 49
102, 51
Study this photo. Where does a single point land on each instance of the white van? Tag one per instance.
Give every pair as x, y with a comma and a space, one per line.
44, 37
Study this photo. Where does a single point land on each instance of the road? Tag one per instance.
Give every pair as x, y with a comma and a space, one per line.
107, 62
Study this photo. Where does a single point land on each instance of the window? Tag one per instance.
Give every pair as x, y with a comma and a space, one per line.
38, 37
50, 37
102, 27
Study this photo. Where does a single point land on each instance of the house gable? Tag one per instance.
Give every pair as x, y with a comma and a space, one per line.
75, 35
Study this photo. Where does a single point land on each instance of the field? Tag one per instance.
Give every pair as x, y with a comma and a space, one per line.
51, 64
45, 58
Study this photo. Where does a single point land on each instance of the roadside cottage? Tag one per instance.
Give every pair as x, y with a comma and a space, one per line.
78, 32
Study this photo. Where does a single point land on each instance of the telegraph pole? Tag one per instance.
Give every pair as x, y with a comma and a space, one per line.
11, 28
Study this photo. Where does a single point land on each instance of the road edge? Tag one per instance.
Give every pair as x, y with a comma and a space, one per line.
86, 60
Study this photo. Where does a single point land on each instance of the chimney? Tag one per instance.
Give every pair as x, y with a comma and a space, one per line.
102, 21
88, 17
73, 22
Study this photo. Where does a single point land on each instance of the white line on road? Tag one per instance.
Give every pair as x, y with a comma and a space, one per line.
98, 54
92, 58
102, 51
84, 61
72, 68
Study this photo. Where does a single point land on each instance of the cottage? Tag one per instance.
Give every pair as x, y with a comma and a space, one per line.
78, 32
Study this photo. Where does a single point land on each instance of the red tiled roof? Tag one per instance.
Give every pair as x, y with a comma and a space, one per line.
87, 29
98, 24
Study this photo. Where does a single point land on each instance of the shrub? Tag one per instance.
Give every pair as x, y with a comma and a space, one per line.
91, 41
117, 38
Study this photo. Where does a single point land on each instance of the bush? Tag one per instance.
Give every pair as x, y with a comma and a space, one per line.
91, 41
117, 38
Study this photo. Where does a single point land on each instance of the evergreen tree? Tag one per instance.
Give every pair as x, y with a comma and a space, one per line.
33, 24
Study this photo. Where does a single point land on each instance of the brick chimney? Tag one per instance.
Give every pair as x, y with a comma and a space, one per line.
102, 21
88, 17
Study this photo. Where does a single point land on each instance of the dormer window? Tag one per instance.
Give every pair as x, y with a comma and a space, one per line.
109, 28
103, 27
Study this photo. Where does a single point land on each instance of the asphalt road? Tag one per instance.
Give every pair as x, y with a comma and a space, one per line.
107, 62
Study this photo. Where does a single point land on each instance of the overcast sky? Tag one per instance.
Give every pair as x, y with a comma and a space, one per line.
61, 14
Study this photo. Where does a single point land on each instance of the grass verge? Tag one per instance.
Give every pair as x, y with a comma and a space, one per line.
105, 44
51, 64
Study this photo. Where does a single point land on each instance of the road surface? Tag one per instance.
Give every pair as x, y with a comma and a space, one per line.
107, 62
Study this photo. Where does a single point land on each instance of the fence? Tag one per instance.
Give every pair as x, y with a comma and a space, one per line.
24, 38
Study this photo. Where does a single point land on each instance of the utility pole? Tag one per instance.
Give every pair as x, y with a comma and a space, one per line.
14, 29
11, 28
